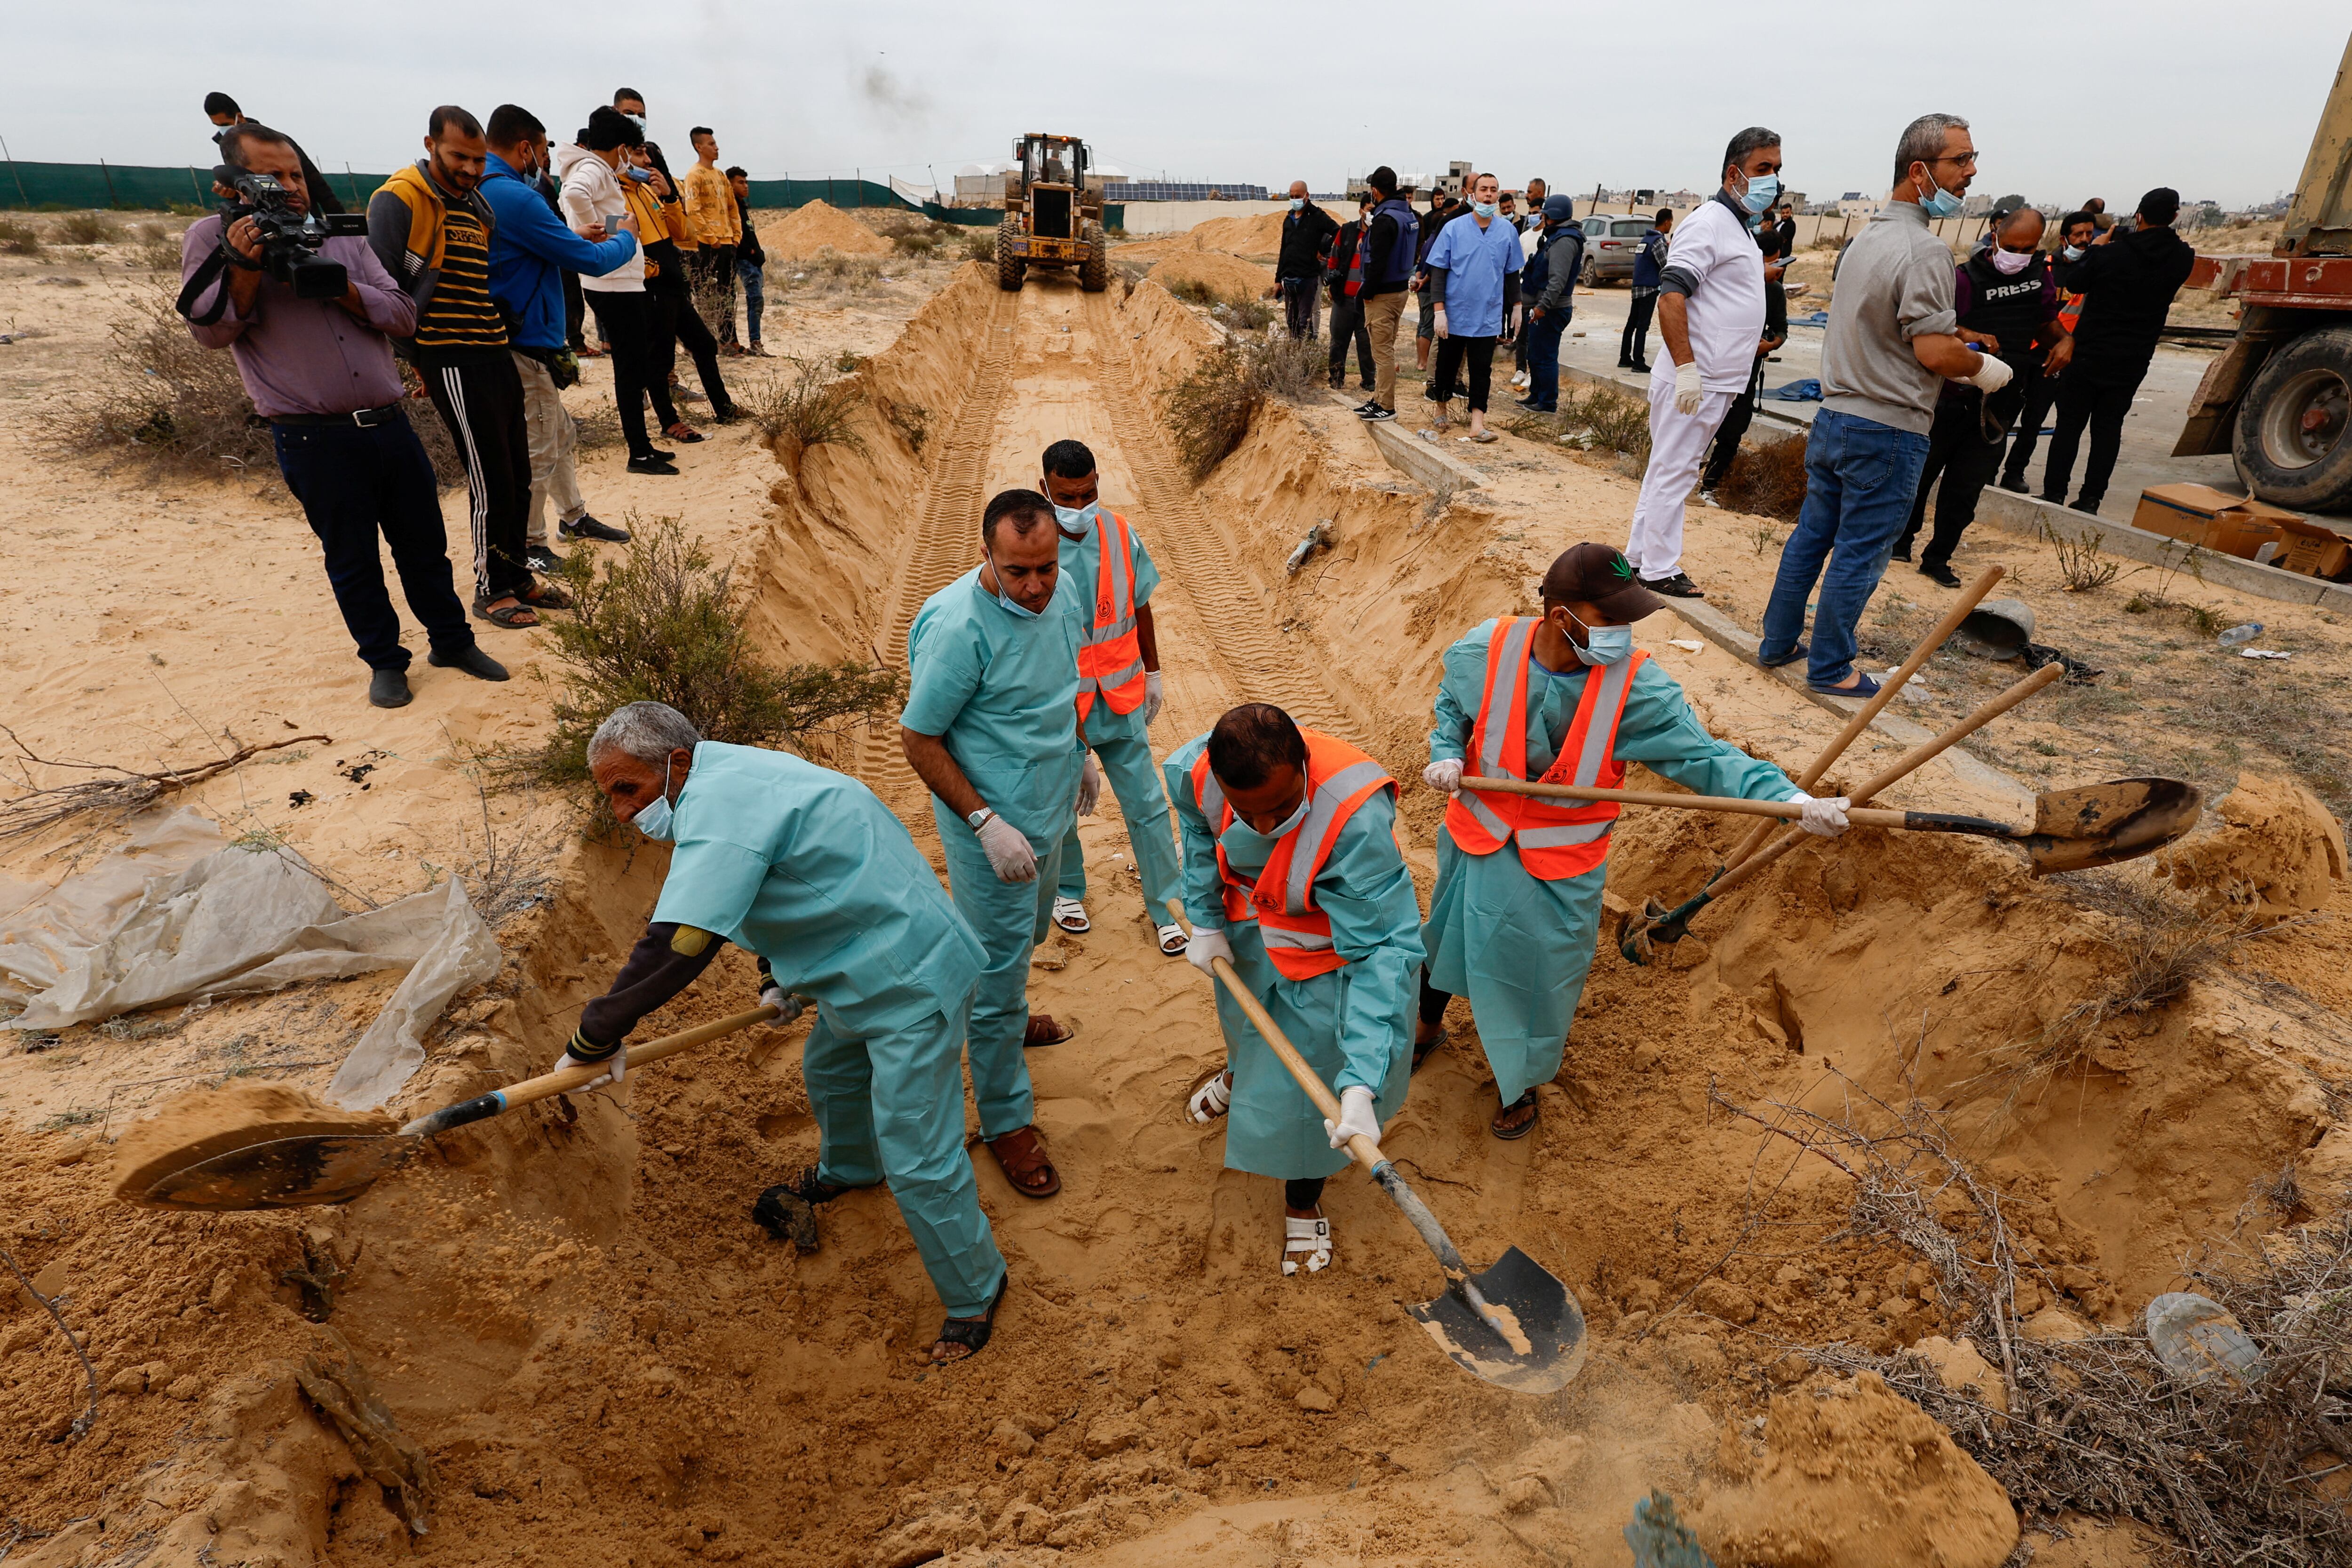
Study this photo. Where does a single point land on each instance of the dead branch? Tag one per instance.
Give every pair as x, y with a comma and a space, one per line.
88, 1418
125, 792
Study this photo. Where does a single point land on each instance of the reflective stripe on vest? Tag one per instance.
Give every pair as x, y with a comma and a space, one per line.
1281, 897
1556, 838
1111, 658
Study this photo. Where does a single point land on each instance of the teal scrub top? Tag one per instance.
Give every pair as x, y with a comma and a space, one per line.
1002, 691
1658, 729
1365, 891
1081, 566
806, 867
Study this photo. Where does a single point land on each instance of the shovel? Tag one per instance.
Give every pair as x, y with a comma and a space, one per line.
2073, 830
288, 1173
1516, 1324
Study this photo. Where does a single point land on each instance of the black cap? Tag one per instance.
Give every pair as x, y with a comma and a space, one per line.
1601, 576
220, 103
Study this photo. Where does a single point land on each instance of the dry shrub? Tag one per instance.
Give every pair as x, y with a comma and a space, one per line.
158, 248
979, 244
2081, 567
656, 624
1192, 291
19, 238
86, 228
828, 272
1209, 411
1597, 413
1767, 481
1242, 316
805, 407
161, 395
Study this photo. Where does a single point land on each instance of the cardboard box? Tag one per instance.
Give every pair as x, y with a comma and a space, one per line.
2314, 549
2225, 524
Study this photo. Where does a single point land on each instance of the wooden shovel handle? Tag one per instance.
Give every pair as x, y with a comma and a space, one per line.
548, 1085
1366, 1151
1970, 596
1786, 810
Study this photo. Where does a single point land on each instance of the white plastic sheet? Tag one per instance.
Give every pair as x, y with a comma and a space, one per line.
180, 915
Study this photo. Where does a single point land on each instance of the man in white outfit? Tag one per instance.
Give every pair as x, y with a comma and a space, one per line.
1711, 314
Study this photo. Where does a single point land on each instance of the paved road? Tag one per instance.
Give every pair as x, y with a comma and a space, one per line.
2149, 431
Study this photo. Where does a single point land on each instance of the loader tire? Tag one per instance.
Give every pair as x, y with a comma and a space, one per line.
1094, 271
1009, 268
2293, 435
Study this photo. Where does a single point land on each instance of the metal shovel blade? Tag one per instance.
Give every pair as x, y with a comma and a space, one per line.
285, 1172
1548, 1348
2102, 823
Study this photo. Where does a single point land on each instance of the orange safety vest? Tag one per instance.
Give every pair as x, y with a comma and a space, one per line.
1557, 839
1111, 659
1297, 935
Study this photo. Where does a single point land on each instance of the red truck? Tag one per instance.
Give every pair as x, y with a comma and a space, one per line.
2279, 400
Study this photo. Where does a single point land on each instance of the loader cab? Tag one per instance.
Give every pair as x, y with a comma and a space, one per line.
1053, 213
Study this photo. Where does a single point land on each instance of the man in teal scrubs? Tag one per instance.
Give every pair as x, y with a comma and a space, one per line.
803, 867
1517, 935
1121, 694
991, 727
1335, 969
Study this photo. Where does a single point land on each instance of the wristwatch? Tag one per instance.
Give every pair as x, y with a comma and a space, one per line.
979, 819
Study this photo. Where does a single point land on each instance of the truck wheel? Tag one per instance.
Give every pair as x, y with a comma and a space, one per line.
1094, 270
2293, 439
1009, 267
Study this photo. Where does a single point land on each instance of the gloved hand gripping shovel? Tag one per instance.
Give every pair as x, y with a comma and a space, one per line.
1515, 1324
288, 1173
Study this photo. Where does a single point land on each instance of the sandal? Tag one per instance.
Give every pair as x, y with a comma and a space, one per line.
1482, 437
1026, 1165
1213, 1098
541, 596
1503, 1127
970, 1334
1071, 916
512, 614
1307, 1238
1043, 1031
1420, 1052
682, 432
1173, 941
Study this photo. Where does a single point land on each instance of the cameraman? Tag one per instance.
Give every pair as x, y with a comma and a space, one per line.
322, 373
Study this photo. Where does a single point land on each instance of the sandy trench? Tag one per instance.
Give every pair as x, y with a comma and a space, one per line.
573, 1314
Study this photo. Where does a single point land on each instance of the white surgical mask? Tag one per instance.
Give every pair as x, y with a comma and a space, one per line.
1298, 201
1076, 521
1011, 605
637, 119
1289, 824
1484, 209
654, 819
2010, 263
2073, 253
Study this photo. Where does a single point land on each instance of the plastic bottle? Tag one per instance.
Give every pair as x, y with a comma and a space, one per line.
2244, 633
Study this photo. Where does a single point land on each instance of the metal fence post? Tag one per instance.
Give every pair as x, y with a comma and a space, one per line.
109, 175
14, 174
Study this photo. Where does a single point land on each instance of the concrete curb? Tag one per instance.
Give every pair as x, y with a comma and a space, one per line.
1729, 635
2031, 514
1419, 460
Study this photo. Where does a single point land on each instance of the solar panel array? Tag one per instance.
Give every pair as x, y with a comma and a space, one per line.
1177, 191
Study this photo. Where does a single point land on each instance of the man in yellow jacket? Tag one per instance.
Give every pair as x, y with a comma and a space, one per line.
717, 230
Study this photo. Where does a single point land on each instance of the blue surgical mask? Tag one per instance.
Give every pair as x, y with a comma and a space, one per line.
1941, 203
2073, 253
632, 172
1604, 644
1762, 192
1011, 605
1296, 202
1076, 521
1484, 209
655, 820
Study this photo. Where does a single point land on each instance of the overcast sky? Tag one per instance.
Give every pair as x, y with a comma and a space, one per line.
2105, 97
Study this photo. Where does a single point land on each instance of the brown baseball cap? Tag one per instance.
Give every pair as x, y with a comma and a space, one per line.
1601, 576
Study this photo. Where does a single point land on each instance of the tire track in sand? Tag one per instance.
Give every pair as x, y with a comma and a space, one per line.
1260, 665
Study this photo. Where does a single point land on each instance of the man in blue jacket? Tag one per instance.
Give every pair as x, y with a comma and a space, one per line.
531, 250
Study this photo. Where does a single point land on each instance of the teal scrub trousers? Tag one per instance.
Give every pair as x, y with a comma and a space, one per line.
1134, 777
1010, 919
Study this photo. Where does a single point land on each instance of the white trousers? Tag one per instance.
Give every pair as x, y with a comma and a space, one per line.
1678, 444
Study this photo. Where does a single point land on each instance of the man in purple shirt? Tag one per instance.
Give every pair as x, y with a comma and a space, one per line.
322, 373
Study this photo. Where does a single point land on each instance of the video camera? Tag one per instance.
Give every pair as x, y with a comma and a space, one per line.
290, 240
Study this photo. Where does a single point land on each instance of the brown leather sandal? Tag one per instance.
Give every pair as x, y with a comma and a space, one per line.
1043, 1031
1506, 1124
1026, 1165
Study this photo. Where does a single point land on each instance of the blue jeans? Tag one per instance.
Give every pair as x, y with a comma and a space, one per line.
1859, 479
1543, 359
754, 283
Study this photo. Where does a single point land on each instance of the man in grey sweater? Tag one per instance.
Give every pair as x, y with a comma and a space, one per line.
1892, 343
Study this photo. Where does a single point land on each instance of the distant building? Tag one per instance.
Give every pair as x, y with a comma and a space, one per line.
1854, 204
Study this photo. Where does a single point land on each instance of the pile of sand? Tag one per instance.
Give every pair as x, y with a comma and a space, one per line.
1256, 236
1229, 278
804, 231
2281, 855
204, 1122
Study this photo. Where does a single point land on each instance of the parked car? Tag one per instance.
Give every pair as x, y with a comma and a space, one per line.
1609, 241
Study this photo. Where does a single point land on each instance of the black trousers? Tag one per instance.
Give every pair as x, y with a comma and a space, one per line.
1303, 1193
1298, 306
2102, 405
1450, 355
575, 312
677, 324
1632, 348
2028, 434
354, 485
626, 320
1959, 454
1348, 327
481, 402
1736, 420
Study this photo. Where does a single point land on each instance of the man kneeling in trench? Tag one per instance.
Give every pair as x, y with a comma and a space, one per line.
1292, 874
804, 867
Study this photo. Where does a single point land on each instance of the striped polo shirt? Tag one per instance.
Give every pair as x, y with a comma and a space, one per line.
461, 321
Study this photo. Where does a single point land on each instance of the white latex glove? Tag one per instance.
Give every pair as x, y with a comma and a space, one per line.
1688, 393
1208, 945
1446, 776
1089, 786
1991, 376
1825, 817
787, 1005
1008, 851
1440, 328
1154, 698
616, 1068
1355, 1117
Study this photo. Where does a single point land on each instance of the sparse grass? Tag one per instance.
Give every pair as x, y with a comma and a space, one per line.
158, 248
849, 362
1763, 537
1594, 414
804, 408
1192, 291
86, 228
2259, 707
164, 397
979, 244
19, 238
827, 272
912, 421
2081, 567
658, 625
1242, 316
1769, 481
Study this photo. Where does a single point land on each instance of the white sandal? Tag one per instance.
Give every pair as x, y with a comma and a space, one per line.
1173, 939
1213, 1098
1310, 1238
1071, 915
